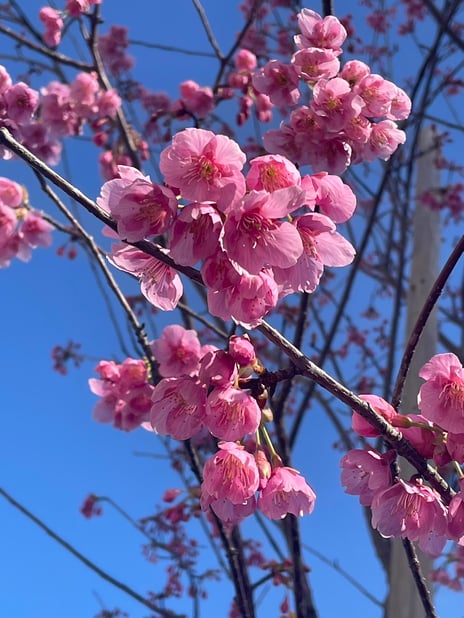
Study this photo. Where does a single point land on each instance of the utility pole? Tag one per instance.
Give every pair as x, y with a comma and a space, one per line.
403, 600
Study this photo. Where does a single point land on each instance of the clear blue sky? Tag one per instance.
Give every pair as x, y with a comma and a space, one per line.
52, 454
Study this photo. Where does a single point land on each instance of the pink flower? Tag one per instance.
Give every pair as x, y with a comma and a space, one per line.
36, 231
132, 374
177, 351
272, 172
441, 398
334, 198
232, 473
83, 92
159, 283
204, 166
414, 511
53, 23
423, 438
279, 81
335, 104
456, 515
365, 472
198, 101
245, 60
21, 103
195, 234
286, 491
5, 80
322, 246
400, 107
229, 513
218, 369
332, 155
354, 71
377, 94
384, 139
178, 407
242, 350
125, 394
255, 238
234, 293
8, 223
455, 446
113, 47
327, 32
312, 64
76, 7
362, 426
231, 413
140, 208
11, 193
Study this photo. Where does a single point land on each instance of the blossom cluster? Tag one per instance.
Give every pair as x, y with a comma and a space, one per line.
352, 113
54, 20
41, 120
204, 389
125, 393
412, 509
21, 228
257, 235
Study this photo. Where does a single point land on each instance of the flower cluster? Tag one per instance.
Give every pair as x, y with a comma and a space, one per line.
125, 393
200, 387
233, 476
352, 112
411, 509
39, 121
21, 229
203, 390
257, 235
54, 22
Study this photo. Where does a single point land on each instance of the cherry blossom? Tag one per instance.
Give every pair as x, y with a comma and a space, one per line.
366, 472
204, 167
195, 234
272, 172
125, 393
313, 64
177, 352
254, 236
335, 104
54, 25
362, 426
178, 407
159, 283
231, 473
196, 100
333, 197
322, 246
217, 368
441, 397
235, 293
414, 511
231, 413
140, 208
326, 33
279, 81
286, 491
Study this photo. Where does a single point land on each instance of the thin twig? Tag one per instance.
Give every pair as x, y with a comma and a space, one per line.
88, 563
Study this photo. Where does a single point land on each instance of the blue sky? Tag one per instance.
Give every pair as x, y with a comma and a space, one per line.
52, 452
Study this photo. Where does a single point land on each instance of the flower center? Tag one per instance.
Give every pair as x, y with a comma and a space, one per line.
452, 395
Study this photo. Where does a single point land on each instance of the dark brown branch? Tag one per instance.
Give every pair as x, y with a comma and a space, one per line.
46, 51
421, 583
